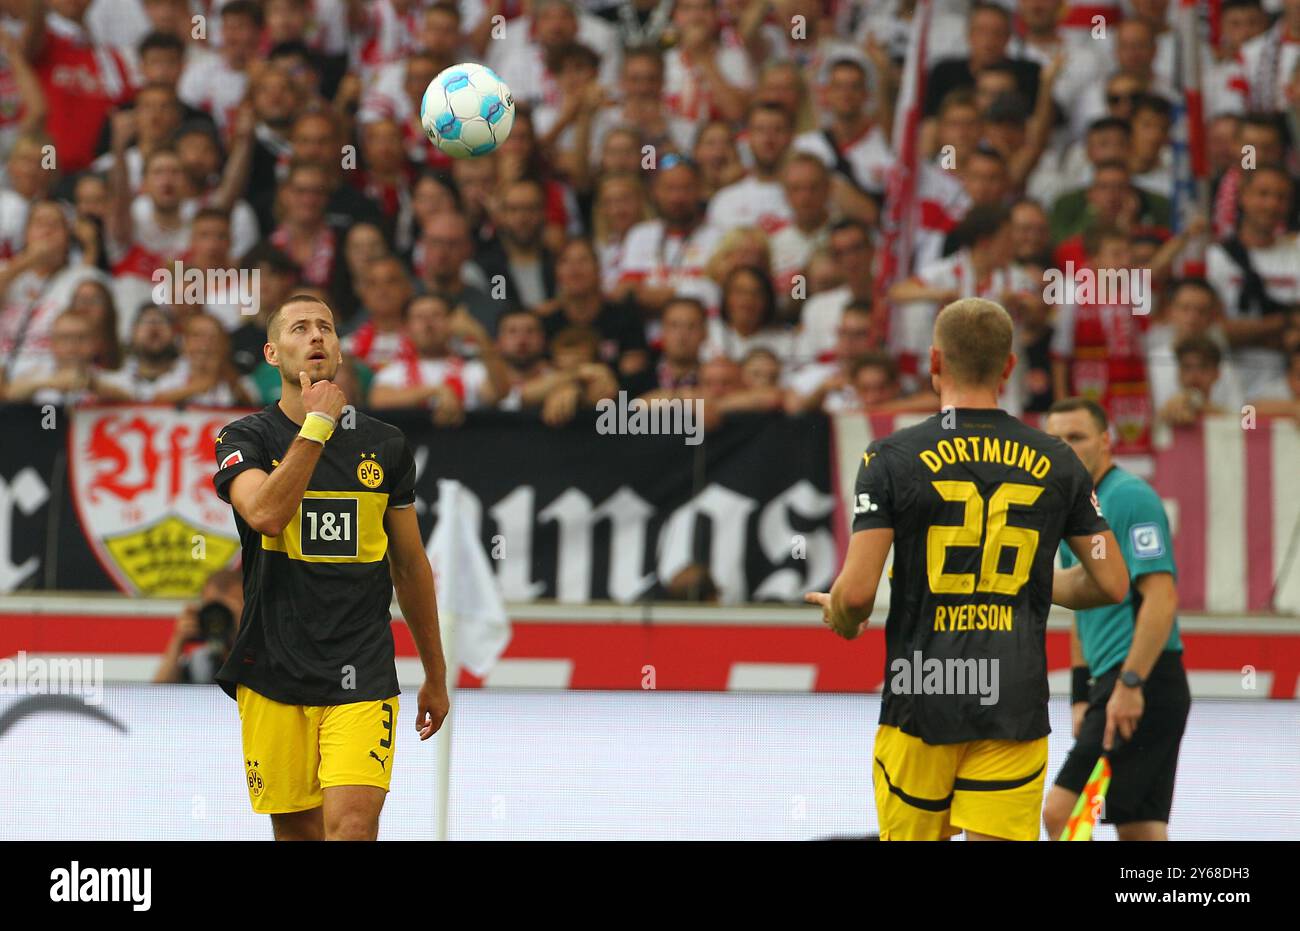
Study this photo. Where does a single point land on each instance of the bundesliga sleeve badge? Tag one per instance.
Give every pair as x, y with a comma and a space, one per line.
233, 459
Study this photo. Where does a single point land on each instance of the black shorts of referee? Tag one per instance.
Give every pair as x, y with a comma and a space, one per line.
1142, 767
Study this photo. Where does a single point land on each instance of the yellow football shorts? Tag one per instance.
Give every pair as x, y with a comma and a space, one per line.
292, 752
933, 791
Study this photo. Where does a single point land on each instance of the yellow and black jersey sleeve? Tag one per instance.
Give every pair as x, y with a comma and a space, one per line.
402, 493
240, 447
876, 501
1083, 516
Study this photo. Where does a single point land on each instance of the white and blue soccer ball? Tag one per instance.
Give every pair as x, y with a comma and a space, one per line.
467, 110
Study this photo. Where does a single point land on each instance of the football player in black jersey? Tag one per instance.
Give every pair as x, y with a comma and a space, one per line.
973, 503
325, 519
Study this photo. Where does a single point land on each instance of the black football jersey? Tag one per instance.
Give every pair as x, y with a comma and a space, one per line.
978, 503
316, 623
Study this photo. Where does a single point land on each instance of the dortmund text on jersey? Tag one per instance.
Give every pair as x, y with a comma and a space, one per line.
977, 505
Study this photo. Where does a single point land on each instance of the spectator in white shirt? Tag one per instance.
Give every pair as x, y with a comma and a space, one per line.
807, 187
1281, 398
1190, 312
37, 285
68, 377
717, 156
437, 377
703, 79
152, 355
668, 256
852, 145
1198, 374
621, 203
853, 253
206, 376
748, 319
217, 82
1253, 305
828, 386
758, 199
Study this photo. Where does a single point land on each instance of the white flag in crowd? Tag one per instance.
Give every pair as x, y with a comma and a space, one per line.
468, 596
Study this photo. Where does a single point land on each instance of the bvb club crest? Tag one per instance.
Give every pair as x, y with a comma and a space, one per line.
370, 473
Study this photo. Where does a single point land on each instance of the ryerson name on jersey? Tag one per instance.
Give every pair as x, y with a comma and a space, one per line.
978, 503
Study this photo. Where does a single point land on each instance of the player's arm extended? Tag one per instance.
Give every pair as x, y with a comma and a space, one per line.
1154, 621
413, 582
267, 502
848, 606
1100, 578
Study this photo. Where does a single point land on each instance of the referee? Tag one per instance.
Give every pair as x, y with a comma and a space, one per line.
328, 530
1129, 694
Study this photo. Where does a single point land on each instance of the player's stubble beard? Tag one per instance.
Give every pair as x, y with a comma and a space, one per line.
289, 372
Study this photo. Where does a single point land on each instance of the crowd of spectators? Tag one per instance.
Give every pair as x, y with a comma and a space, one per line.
691, 203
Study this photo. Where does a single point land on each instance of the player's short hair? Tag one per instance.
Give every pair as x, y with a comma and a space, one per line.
273, 323
974, 336
1070, 405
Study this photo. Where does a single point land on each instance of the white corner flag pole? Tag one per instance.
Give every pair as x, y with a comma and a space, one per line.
447, 627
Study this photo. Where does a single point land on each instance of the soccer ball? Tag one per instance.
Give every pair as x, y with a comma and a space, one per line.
467, 110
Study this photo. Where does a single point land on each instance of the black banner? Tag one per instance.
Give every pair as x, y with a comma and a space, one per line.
572, 514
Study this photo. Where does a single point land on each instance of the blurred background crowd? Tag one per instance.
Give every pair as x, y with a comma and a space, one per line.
692, 202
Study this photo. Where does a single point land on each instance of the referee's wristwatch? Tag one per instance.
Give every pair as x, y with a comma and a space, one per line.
1131, 679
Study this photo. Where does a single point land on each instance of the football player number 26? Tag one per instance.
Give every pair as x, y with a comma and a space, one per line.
999, 536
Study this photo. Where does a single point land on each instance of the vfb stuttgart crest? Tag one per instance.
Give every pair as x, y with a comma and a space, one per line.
142, 483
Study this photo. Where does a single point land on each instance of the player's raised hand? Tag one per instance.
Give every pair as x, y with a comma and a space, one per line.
432, 708
324, 397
